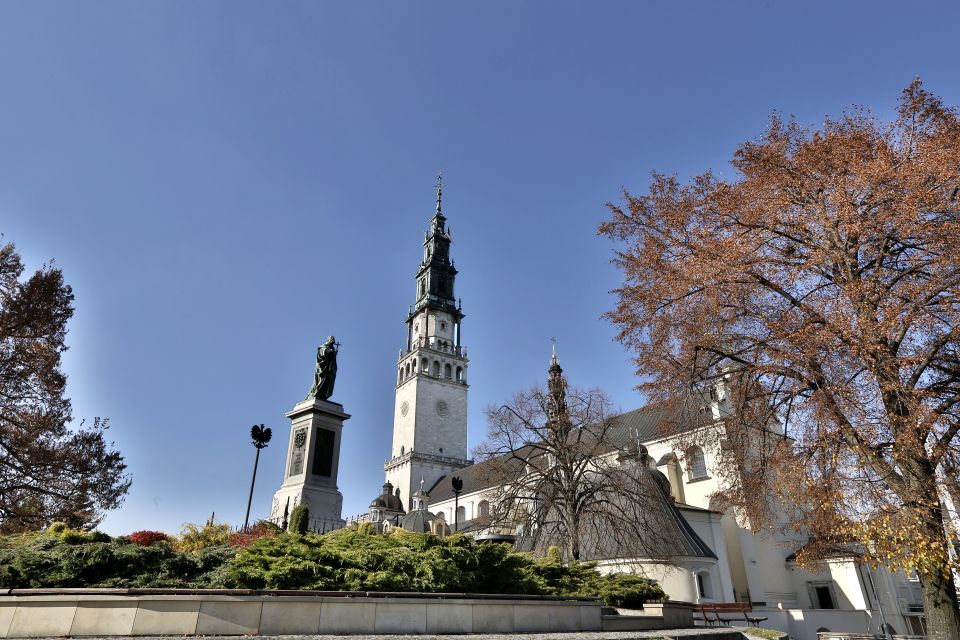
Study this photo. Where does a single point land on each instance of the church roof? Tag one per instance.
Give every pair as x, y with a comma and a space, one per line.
648, 423
418, 520
387, 500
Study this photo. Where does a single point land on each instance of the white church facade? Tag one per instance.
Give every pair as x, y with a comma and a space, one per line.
723, 560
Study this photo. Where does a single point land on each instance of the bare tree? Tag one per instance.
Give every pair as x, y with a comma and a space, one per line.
562, 473
824, 279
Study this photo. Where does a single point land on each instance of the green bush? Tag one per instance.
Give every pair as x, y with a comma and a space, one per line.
299, 519
194, 538
355, 559
625, 590
360, 559
66, 559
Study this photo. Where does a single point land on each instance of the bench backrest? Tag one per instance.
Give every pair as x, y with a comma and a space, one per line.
725, 607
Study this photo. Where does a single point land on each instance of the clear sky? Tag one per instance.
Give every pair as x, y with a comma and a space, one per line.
226, 183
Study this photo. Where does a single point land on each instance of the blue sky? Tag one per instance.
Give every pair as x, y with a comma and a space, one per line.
226, 183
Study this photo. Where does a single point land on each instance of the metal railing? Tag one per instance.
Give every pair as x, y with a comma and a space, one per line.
840, 635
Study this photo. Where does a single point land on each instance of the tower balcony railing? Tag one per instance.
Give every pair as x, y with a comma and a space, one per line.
434, 343
433, 457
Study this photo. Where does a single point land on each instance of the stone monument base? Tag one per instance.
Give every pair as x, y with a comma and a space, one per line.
313, 461
325, 506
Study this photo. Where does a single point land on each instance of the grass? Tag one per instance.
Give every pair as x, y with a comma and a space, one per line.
767, 634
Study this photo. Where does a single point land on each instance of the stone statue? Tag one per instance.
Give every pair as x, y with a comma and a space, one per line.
326, 374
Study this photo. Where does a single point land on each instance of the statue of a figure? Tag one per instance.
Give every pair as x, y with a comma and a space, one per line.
326, 374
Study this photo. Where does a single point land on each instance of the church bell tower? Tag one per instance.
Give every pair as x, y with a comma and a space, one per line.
430, 414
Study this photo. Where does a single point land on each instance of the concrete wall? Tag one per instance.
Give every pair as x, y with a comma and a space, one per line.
119, 615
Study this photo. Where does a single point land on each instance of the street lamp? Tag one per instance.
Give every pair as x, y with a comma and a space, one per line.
261, 436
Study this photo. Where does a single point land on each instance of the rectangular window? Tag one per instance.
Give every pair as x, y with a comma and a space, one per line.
821, 595
323, 453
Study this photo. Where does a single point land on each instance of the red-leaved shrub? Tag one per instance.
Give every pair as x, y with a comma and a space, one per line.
243, 539
146, 538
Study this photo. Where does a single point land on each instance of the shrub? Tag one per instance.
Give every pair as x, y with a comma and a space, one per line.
257, 531
146, 538
268, 525
299, 519
194, 538
625, 590
63, 560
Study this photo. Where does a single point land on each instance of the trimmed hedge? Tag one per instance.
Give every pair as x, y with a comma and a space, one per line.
354, 559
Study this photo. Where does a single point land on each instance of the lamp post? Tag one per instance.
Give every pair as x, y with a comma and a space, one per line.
457, 488
261, 436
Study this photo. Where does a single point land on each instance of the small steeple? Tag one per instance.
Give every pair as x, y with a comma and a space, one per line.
557, 386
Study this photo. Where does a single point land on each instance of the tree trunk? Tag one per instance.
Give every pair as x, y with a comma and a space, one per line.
940, 607
574, 526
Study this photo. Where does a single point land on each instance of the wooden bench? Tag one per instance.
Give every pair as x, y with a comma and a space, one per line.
723, 613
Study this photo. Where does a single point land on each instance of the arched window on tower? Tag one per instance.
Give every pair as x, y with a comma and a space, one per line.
459, 374
425, 365
436, 368
447, 371
408, 371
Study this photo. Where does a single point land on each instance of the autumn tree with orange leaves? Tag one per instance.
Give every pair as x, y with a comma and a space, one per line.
824, 282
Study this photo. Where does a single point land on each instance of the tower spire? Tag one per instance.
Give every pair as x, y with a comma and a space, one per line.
439, 190
557, 387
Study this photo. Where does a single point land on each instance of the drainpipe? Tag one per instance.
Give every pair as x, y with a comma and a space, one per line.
876, 596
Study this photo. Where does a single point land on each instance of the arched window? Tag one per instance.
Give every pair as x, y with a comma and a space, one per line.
483, 509
704, 586
425, 365
408, 370
402, 450
696, 464
400, 375
442, 515
436, 368
459, 374
447, 371
461, 514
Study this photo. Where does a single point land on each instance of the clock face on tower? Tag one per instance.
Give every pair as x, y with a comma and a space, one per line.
442, 408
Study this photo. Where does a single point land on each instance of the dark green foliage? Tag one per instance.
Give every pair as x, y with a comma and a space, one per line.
356, 559
362, 560
582, 579
73, 558
299, 519
625, 590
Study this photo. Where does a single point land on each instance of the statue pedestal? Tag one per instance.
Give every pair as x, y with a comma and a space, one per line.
313, 461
